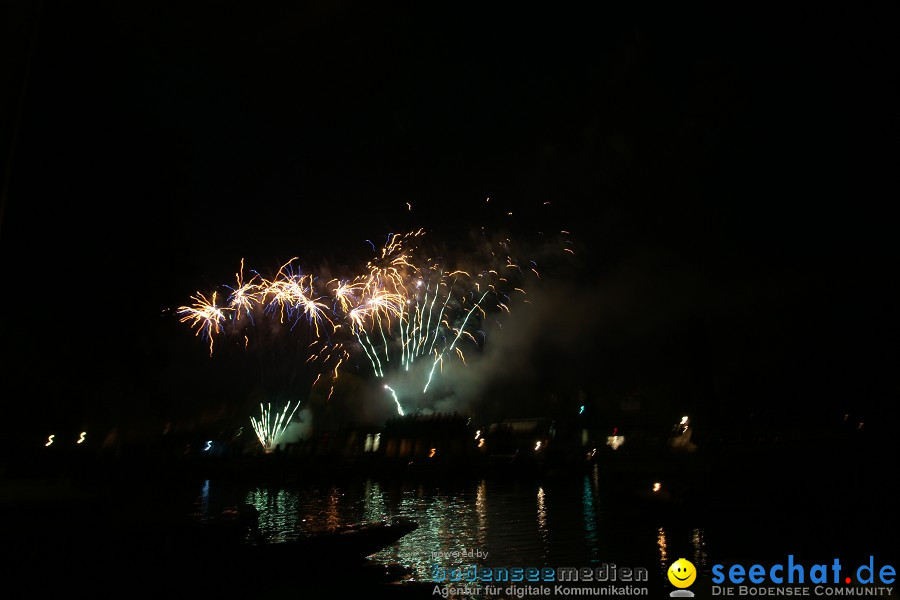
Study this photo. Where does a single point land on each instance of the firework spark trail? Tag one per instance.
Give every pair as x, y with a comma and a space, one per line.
394, 394
428, 326
439, 320
269, 431
376, 362
395, 300
456, 339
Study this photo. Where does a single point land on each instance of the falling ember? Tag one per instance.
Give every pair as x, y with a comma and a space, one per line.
432, 453
49, 440
83, 434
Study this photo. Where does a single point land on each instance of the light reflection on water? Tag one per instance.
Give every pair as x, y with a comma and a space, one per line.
663, 553
699, 544
542, 520
510, 523
278, 511
590, 520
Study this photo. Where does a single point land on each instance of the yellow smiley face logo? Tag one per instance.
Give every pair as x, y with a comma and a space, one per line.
682, 573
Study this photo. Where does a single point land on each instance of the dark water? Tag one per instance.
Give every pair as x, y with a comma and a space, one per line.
572, 521
562, 522
107, 536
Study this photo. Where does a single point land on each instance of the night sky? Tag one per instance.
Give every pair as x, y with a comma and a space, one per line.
727, 177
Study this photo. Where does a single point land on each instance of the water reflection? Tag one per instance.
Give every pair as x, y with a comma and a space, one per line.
279, 512
496, 523
481, 512
663, 554
699, 548
590, 521
204, 500
690, 544
542, 517
373, 502
332, 514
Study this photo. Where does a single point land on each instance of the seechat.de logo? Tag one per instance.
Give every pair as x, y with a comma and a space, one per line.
682, 574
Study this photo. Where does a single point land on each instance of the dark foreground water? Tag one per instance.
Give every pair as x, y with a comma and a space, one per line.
497, 523
572, 521
114, 538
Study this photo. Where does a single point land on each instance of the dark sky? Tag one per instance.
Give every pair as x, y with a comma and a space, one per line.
728, 177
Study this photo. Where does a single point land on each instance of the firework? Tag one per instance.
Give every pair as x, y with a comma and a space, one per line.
405, 311
270, 429
205, 317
